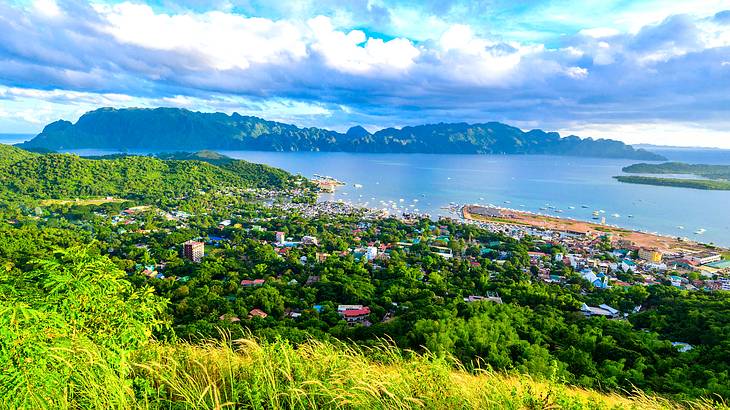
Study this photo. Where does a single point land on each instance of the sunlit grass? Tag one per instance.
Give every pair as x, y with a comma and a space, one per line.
248, 374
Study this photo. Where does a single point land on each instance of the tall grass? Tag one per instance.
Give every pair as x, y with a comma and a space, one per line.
250, 374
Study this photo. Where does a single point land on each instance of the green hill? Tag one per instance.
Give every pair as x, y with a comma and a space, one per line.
166, 129
65, 175
75, 334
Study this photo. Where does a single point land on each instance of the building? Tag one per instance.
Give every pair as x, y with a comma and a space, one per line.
602, 310
353, 313
257, 313
371, 253
280, 238
255, 282
650, 255
194, 251
703, 258
310, 240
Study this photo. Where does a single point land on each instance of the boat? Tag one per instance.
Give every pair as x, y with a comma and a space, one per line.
584, 206
680, 227
700, 231
571, 207
616, 215
357, 186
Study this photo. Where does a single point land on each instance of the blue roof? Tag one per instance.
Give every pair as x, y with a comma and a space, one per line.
719, 264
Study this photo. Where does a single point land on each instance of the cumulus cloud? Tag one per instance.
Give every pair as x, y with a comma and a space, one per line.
334, 70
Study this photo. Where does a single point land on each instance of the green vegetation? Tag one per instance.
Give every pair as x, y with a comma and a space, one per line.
703, 170
676, 182
76, 334
170, 128
98, 309
718, 176
62, 176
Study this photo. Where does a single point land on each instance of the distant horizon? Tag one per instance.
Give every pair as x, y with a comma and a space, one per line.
563, 133
637, 72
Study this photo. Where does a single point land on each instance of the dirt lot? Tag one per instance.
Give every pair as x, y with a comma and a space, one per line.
563, 224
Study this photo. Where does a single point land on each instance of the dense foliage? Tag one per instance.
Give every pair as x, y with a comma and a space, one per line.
74, 334
77, 299
178, 129
676, 182
704, 170
69, 176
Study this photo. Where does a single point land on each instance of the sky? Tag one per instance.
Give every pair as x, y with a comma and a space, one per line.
651, 71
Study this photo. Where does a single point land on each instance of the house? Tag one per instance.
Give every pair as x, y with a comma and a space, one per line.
280, 238
257, 313
255, 282
598, 281
310, 240
232, 319
491, 297
602, 310
442, 251
628, 265
353, 313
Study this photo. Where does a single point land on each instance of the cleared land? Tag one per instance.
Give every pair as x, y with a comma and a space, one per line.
641, 239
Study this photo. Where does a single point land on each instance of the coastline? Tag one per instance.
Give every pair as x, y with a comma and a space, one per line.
508, 216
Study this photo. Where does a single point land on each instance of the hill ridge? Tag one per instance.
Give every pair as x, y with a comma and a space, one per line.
173, 129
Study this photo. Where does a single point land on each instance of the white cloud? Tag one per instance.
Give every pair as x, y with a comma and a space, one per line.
577, 72
223, 40
599, 32
47, 8
354, 52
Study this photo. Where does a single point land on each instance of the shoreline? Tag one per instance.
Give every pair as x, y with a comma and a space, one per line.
549, 222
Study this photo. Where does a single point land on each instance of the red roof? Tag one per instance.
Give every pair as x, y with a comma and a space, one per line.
356, 312
249, 282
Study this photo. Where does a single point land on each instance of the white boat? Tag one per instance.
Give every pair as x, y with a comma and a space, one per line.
358, 186
680, 227
616, 215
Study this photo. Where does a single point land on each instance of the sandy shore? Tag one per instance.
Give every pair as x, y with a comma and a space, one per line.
642, 239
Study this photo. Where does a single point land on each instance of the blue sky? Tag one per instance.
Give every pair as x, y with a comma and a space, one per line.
640, 71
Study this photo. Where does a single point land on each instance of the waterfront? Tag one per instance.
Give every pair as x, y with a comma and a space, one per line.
544, 184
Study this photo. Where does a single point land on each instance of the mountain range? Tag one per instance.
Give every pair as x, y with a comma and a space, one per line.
181, 129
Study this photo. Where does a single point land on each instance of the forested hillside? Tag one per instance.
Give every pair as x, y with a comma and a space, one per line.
179, 129
69, 176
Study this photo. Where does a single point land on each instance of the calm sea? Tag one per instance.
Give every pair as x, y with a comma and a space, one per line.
577, 186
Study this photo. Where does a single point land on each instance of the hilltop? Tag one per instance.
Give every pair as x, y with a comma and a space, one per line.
43, 176
76, 334
180, 129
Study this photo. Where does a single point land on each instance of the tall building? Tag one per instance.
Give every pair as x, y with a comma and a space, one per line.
194, 251
650, 255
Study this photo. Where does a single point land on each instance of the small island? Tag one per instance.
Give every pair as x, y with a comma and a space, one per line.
716, 177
